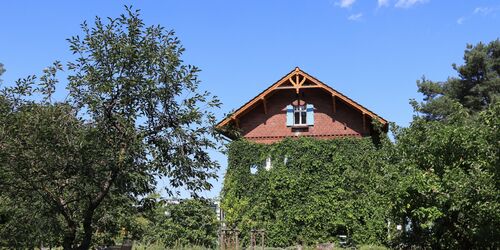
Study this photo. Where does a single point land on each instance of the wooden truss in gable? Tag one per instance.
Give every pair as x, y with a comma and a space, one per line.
296, 80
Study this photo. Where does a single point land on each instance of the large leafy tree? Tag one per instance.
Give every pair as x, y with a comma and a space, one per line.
449, 190
449, 157
133, 114
475, 88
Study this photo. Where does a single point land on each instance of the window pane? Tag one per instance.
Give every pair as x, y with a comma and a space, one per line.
297, 118
304, 115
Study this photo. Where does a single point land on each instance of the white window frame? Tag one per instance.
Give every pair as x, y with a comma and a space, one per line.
301, 110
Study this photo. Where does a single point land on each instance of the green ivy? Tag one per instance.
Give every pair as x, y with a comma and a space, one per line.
315, 190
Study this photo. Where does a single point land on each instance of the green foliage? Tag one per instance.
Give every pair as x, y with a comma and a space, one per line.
450, 188
189, 223
133, 115
17, 219
440, 181
315, 191
475, 88
37, 142
2, 70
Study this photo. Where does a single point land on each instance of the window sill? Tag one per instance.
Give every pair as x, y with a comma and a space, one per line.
300, 126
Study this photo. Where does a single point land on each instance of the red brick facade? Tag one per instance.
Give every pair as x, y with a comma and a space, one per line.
264, 119
260, 127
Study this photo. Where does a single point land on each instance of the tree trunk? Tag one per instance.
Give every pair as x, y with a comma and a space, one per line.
89, 213
87, 229
69, 236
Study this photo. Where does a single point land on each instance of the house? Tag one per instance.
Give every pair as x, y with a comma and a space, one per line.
300, 105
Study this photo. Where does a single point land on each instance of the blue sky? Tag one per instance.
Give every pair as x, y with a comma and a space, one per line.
371, 50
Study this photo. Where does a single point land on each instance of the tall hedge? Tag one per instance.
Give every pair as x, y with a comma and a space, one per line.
314, 191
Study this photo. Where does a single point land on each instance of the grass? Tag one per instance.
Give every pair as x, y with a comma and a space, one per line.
159, 246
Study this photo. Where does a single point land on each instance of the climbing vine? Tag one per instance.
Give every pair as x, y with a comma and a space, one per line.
314, 191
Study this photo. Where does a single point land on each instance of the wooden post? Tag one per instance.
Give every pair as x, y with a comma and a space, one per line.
297, 84
262, 239
302, 81
364, 122
236, 121
334, 104
252, 239
236, 232
265, 105
221, 239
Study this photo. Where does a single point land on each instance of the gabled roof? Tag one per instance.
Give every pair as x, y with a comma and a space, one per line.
297, 79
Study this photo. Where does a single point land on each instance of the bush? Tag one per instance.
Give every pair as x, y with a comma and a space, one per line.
190, 223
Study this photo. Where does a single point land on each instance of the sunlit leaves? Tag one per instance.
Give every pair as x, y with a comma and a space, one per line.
324, 188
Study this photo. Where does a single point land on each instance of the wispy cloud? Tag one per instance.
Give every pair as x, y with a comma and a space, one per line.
345, 3
355, 17
484, 10
408, 3
383, 3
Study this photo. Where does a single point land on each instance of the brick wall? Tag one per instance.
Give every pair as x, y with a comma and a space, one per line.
260, 127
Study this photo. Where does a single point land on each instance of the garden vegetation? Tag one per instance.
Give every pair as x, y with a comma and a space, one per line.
438, 179
81, 172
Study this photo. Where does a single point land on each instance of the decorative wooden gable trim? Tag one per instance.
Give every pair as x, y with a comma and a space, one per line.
297, 79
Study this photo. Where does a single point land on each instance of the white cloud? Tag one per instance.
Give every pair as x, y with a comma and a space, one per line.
383, 3
355, 17
345, 3
408, 3
483, 10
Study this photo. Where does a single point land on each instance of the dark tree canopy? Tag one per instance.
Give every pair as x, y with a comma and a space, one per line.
475, 88
133, 114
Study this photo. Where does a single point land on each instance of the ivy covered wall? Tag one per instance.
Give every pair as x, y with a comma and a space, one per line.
314, 191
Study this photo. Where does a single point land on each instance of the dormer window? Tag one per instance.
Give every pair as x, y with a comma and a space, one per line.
300, 115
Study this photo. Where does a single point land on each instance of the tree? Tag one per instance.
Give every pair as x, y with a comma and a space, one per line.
191, 222
475, 88
2, 70
133, 114
449, 157
450, 174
